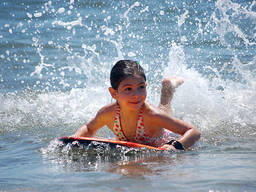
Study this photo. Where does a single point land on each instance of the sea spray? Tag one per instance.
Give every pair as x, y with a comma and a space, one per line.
56, 59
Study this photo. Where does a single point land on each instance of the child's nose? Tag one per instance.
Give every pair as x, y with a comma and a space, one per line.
137, 93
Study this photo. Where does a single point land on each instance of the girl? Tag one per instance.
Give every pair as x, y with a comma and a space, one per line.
131, 118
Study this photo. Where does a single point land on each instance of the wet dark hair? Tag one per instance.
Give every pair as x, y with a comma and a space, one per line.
123, 69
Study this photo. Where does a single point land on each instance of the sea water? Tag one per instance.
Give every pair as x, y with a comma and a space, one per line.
55, 59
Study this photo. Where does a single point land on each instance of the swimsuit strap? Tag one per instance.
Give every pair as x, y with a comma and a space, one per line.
117, 129
140, 130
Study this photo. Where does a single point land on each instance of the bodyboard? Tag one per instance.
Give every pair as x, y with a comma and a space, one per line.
112, 143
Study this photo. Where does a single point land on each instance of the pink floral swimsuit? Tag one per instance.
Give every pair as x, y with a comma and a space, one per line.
141, 136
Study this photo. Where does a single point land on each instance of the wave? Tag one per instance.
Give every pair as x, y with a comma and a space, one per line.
60, 77
214, 106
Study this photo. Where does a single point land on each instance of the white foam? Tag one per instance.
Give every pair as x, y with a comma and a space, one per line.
200, 101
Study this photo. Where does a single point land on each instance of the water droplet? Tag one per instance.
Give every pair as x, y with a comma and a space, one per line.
61, 10
39, 14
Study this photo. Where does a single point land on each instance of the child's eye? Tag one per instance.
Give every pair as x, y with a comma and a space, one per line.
142, 87
128, 89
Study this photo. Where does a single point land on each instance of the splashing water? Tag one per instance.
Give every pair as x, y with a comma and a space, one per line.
59, 54
56, 57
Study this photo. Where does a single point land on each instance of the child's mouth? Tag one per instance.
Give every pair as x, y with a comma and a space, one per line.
135, 102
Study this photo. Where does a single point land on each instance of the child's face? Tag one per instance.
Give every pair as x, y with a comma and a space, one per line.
132, 92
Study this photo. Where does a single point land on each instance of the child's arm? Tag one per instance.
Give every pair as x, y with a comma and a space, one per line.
189, 133
85, 131
190, 137
90, 129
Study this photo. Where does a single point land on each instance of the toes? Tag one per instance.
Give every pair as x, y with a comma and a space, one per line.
172, 82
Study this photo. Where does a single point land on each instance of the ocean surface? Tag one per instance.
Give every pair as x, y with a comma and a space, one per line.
55, 60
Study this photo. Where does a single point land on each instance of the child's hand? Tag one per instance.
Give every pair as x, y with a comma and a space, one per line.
173, 145
169, 147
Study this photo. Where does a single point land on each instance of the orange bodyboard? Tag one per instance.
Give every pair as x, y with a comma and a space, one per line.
112, 142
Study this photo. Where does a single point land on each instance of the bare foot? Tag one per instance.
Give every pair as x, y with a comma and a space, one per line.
170, 84
168, 88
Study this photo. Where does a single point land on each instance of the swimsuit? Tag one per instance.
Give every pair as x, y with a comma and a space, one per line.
141, 136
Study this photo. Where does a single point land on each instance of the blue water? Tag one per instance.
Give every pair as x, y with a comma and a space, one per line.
56, 57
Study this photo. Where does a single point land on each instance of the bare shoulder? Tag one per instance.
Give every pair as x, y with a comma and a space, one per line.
153, 118
153, 115
157, 117
153, 112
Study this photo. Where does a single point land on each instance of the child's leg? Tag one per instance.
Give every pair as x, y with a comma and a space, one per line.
168, 88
